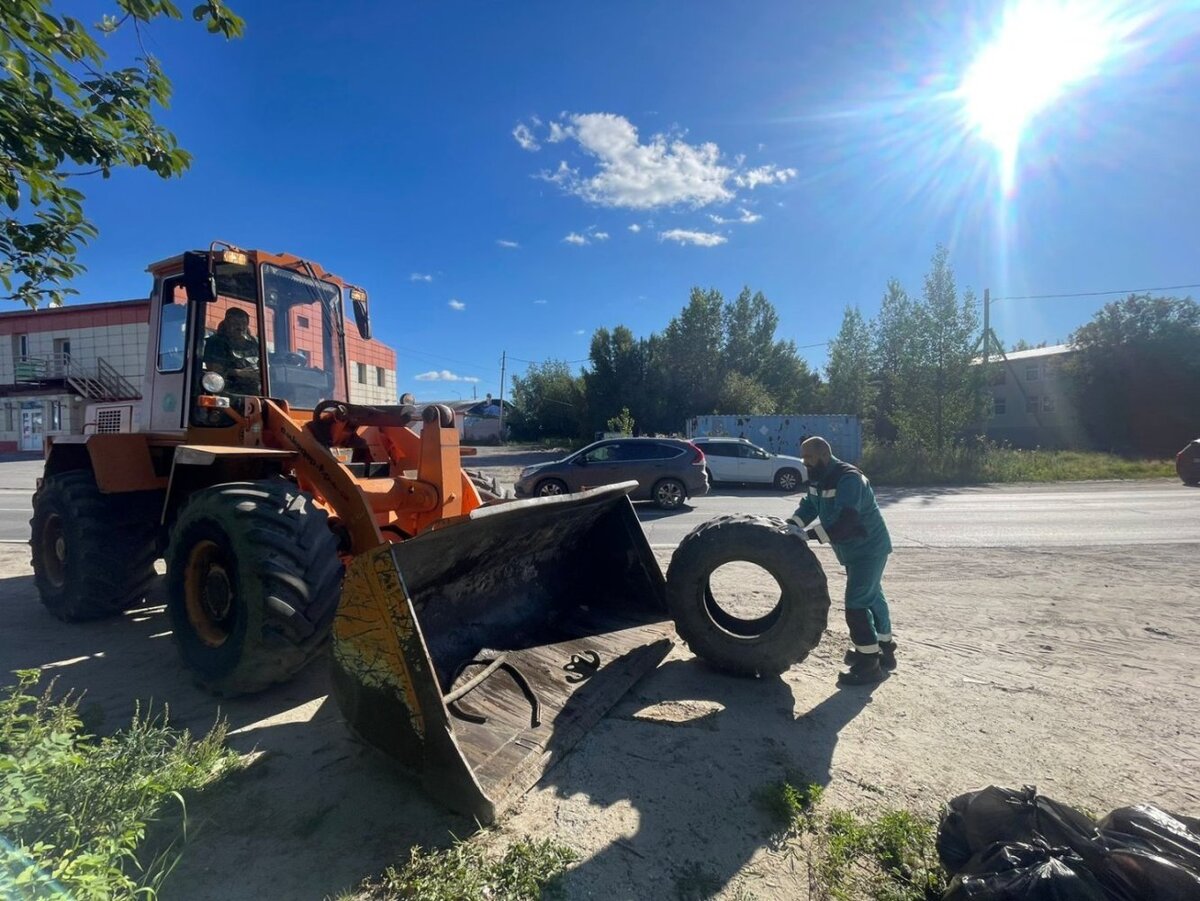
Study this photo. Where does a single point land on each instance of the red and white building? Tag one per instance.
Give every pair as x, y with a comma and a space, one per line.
57, 360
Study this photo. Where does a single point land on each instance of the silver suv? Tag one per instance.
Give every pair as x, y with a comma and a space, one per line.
737, 460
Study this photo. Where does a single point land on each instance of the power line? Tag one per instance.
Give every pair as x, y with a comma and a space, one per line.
1096, 293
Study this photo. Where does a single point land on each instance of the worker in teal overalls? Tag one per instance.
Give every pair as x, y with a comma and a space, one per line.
840, 510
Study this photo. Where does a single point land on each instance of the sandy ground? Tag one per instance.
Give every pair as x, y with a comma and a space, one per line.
1071, 670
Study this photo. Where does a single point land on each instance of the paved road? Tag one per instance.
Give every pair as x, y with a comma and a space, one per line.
1079, 513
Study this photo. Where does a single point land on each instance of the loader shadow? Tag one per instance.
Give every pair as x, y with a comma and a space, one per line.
684, 759
314, 811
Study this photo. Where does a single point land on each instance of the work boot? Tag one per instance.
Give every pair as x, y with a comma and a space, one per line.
886, 648
865, 670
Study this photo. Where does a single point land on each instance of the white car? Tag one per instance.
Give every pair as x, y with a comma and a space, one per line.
737, 460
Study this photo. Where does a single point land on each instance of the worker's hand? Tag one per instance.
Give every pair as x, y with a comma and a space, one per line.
796, 527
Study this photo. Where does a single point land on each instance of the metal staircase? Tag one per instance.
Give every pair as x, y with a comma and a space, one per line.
102, 383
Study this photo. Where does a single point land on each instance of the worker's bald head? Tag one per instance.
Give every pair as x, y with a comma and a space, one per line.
815, 451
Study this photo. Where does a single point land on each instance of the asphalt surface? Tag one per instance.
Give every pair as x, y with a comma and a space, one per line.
1120, 514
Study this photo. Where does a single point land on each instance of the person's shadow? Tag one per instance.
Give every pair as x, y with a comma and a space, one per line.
693, 791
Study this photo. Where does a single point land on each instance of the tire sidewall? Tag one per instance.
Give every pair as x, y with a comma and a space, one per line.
52, 501
211, 663
672, 506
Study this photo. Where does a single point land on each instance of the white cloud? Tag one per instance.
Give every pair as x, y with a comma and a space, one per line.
600, 236
508, 244
746, 218
684, 236
763, 175
420, 277
443, 375
524, 136
663, 171
576, 239
635, 228
580, 331
456, 304
541, 301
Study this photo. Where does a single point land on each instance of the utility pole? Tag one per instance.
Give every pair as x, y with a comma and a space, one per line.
503, 358
987, 325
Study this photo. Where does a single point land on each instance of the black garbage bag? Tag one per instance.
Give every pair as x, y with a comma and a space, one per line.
1147, 828
1131, 875
1020, 871
976, 820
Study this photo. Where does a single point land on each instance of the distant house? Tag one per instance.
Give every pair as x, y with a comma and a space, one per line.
1031, 404
478, 421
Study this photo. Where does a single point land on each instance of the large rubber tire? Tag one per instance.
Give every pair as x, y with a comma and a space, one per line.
253, 582
771, 643
93, 553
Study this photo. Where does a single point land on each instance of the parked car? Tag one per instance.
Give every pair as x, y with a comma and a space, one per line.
1187, 463
668, 470
738, 460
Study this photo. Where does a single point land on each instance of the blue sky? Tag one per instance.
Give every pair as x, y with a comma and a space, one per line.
507, 177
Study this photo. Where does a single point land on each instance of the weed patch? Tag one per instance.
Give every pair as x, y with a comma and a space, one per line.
527, 871
74, 809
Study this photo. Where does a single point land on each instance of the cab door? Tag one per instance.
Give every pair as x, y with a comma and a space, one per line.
167, 363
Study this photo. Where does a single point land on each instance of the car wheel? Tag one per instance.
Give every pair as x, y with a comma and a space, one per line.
551, 488
787, 480
669, 494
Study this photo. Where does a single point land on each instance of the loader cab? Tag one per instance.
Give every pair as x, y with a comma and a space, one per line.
227, 324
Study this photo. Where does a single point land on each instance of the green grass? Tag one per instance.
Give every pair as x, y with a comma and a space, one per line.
909, 464
527, 871
892, 856
75, 809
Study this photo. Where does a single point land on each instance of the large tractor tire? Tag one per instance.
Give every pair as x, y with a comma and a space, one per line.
253, 582
768, 644
93, 553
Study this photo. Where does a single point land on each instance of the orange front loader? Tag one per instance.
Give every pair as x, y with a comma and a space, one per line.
475, 643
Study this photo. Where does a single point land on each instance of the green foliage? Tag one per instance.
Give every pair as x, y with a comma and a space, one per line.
1136, 375
526, 871
849, 371
75, 809
63, 114
894, 332
892, 857
715, 356
790, 803
908, 462
939, 391
549, 402
622, 422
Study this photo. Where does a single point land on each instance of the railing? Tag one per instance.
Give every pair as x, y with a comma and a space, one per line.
102, 383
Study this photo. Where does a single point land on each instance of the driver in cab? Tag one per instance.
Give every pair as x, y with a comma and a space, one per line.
233, 353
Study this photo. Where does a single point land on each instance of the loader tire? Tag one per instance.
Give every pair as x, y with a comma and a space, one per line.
93, 553
771, 643
253, 582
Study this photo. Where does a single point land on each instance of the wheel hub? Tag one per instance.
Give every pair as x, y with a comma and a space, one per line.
54, 547
209, 594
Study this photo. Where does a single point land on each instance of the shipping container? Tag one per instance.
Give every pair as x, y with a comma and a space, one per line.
784, 433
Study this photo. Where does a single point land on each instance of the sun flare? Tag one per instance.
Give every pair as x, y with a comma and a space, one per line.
1042, 49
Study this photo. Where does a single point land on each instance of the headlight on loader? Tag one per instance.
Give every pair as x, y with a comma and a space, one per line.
213, 382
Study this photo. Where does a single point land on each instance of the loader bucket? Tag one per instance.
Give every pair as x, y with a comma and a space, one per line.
478, 653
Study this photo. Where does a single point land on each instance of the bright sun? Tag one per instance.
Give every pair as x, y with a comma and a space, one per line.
1043, 48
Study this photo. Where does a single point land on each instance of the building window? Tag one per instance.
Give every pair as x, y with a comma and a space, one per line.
1031, 403
380, 376
1032, 370
10, 423
55, 416
22, 346
999, 405
998, 376
301, 322
362, 373
1047, 403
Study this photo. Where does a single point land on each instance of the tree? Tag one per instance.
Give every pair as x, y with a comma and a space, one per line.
894, 334
939, 392
849, 371
743, 394
1135, 374
693, 350
549, 402
64, 114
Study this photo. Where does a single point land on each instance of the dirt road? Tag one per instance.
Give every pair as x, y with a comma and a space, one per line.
1072, 669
